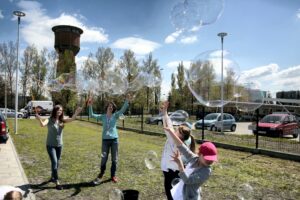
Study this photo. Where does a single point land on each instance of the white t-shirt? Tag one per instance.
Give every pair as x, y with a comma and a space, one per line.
4, 189
169, 149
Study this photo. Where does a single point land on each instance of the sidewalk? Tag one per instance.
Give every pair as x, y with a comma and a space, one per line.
11, 170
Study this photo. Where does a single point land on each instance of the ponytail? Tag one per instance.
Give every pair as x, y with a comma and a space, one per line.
193, 143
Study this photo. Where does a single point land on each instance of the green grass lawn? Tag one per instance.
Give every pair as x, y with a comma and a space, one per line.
236, 175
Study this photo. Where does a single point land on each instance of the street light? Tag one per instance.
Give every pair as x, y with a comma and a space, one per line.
222, 35
19, 14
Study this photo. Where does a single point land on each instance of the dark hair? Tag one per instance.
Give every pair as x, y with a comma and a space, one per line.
113, 105
186, 133
13, 195
54, 114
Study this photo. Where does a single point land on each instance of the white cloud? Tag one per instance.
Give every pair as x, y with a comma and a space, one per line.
298, 14
174, 64
260, 71
189, 40
172, 37
183, 38
137, 45
38, 26
271, 78
1, 15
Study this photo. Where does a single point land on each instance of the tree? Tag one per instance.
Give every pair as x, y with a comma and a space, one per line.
2, 92
8, 53
180, 76
52, 60
39, 72
150, 66
130, 64
229, 84
28, 60
96, 66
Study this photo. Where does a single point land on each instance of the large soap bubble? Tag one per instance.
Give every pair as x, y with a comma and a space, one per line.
204, 78
65, 81
86, 84
190, 15
114, 83
144, 79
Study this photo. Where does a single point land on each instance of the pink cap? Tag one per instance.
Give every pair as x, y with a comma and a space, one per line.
209, 151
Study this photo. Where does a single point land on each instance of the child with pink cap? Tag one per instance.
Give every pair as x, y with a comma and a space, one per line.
197, 170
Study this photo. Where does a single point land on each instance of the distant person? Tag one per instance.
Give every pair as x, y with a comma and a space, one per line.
110, 137
197, 170
55, 124
169, 167
8, 192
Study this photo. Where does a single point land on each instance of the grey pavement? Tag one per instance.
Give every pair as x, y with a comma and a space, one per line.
11, 170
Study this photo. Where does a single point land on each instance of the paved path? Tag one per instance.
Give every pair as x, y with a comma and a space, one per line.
11, 170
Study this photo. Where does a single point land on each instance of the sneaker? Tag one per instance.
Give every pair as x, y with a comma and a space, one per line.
52, 180
58, 186
114, 179
97, 181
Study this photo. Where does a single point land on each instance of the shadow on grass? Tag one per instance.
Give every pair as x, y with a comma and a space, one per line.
77, 186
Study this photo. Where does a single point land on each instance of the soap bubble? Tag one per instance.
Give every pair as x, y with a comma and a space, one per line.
116, 194
122, 117
151, 160
190, 15
249, 96
245, 192
204, 78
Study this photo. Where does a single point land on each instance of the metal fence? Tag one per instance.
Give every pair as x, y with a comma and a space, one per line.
241, 139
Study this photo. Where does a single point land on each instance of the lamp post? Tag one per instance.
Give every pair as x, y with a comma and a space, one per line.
222, 35
19, 14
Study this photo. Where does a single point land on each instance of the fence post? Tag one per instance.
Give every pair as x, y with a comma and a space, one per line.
257, 128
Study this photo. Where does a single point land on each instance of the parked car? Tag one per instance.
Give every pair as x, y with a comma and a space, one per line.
3, 129
11, 113
212, 122
176, 118
278, 125
183, 112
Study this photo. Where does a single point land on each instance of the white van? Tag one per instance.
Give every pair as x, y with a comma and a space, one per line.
45, 107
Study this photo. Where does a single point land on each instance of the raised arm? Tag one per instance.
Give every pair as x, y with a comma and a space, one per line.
125, 105
78, 110
167, 123
43, 122
91, 113
172, 133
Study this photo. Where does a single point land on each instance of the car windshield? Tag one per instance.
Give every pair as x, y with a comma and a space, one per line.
272, 119
212, 116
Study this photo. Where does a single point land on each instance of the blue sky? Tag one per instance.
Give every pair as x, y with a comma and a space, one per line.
263, 35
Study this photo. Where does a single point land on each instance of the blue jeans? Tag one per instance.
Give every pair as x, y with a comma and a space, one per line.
54, 155
108, 145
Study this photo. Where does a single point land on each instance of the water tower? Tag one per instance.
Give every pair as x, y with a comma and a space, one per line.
67, 45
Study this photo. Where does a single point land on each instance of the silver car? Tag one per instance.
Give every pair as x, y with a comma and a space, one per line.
10, 113
212, 122
176, 118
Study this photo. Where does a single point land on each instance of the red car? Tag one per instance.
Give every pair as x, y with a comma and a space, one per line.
278, 125
3, 129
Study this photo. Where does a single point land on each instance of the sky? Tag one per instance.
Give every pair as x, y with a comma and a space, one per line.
263, 35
